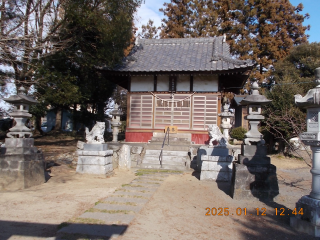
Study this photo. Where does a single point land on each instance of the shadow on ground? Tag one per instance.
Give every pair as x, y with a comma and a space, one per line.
90, 231
278, 218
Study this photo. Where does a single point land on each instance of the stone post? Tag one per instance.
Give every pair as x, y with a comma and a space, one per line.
308, 207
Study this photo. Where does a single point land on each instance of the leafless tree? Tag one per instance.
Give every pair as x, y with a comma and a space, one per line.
28, 30
287, 125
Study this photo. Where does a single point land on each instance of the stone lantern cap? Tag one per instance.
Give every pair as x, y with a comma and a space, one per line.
312, 98
116, 111
255, 98
21, 98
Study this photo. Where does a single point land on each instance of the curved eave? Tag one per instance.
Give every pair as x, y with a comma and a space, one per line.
241, 70
20, 99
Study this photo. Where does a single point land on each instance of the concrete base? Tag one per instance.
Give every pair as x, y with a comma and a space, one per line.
309, 222
255, 181
210, 151
21, 164
254, 175
95, 162
216, 168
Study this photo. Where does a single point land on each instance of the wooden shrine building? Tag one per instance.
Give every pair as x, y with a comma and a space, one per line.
177, 82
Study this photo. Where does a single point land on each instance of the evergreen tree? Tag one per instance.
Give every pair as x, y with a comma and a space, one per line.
261, 30
177, 24
293, 75
100, 30
149, 31
203, 20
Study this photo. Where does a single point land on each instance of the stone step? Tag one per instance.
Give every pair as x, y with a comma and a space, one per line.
135, 193
109, 218
166, 153
171, 138
166, 159
115, 207
173, 135
164, 166
171, 143
125, 200
169, 148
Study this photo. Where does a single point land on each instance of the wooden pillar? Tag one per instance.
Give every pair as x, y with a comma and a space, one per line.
129, 83
191, 83
155, 81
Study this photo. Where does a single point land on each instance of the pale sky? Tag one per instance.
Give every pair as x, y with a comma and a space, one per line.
150, 10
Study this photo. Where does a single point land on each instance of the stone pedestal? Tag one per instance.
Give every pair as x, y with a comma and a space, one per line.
95, 147
95, 159
216, 168
308, 221
215, 163
254, 175
21, 164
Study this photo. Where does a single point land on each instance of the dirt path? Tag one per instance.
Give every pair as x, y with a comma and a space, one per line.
176, 211
36, 212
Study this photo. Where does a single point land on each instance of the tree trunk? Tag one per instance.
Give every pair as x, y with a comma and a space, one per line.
38, 125
57, 126
100, 112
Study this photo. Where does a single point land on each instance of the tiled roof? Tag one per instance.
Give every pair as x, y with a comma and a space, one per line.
181, 54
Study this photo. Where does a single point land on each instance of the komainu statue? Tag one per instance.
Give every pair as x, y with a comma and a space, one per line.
96, 134
216, 135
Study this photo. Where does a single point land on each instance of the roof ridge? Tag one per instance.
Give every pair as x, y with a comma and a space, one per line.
176, 40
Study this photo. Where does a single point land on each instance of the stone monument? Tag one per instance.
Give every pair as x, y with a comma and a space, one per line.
226, 120
21, 164
215, 162
254, 175
95, 158
115, 122
308, 207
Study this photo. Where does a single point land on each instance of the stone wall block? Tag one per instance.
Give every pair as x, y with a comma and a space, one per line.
95, 153
22, 174
208, 175
34, 175
136, 149
124, 157
92, 160
94, 169
115, 160
14, 164
80, 145
21, 150
4, 164
19, 142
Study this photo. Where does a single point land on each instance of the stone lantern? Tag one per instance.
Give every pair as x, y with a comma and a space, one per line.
20, 114
115, 122
254, 175
254, 103
226, 120
308, 207
22, 164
